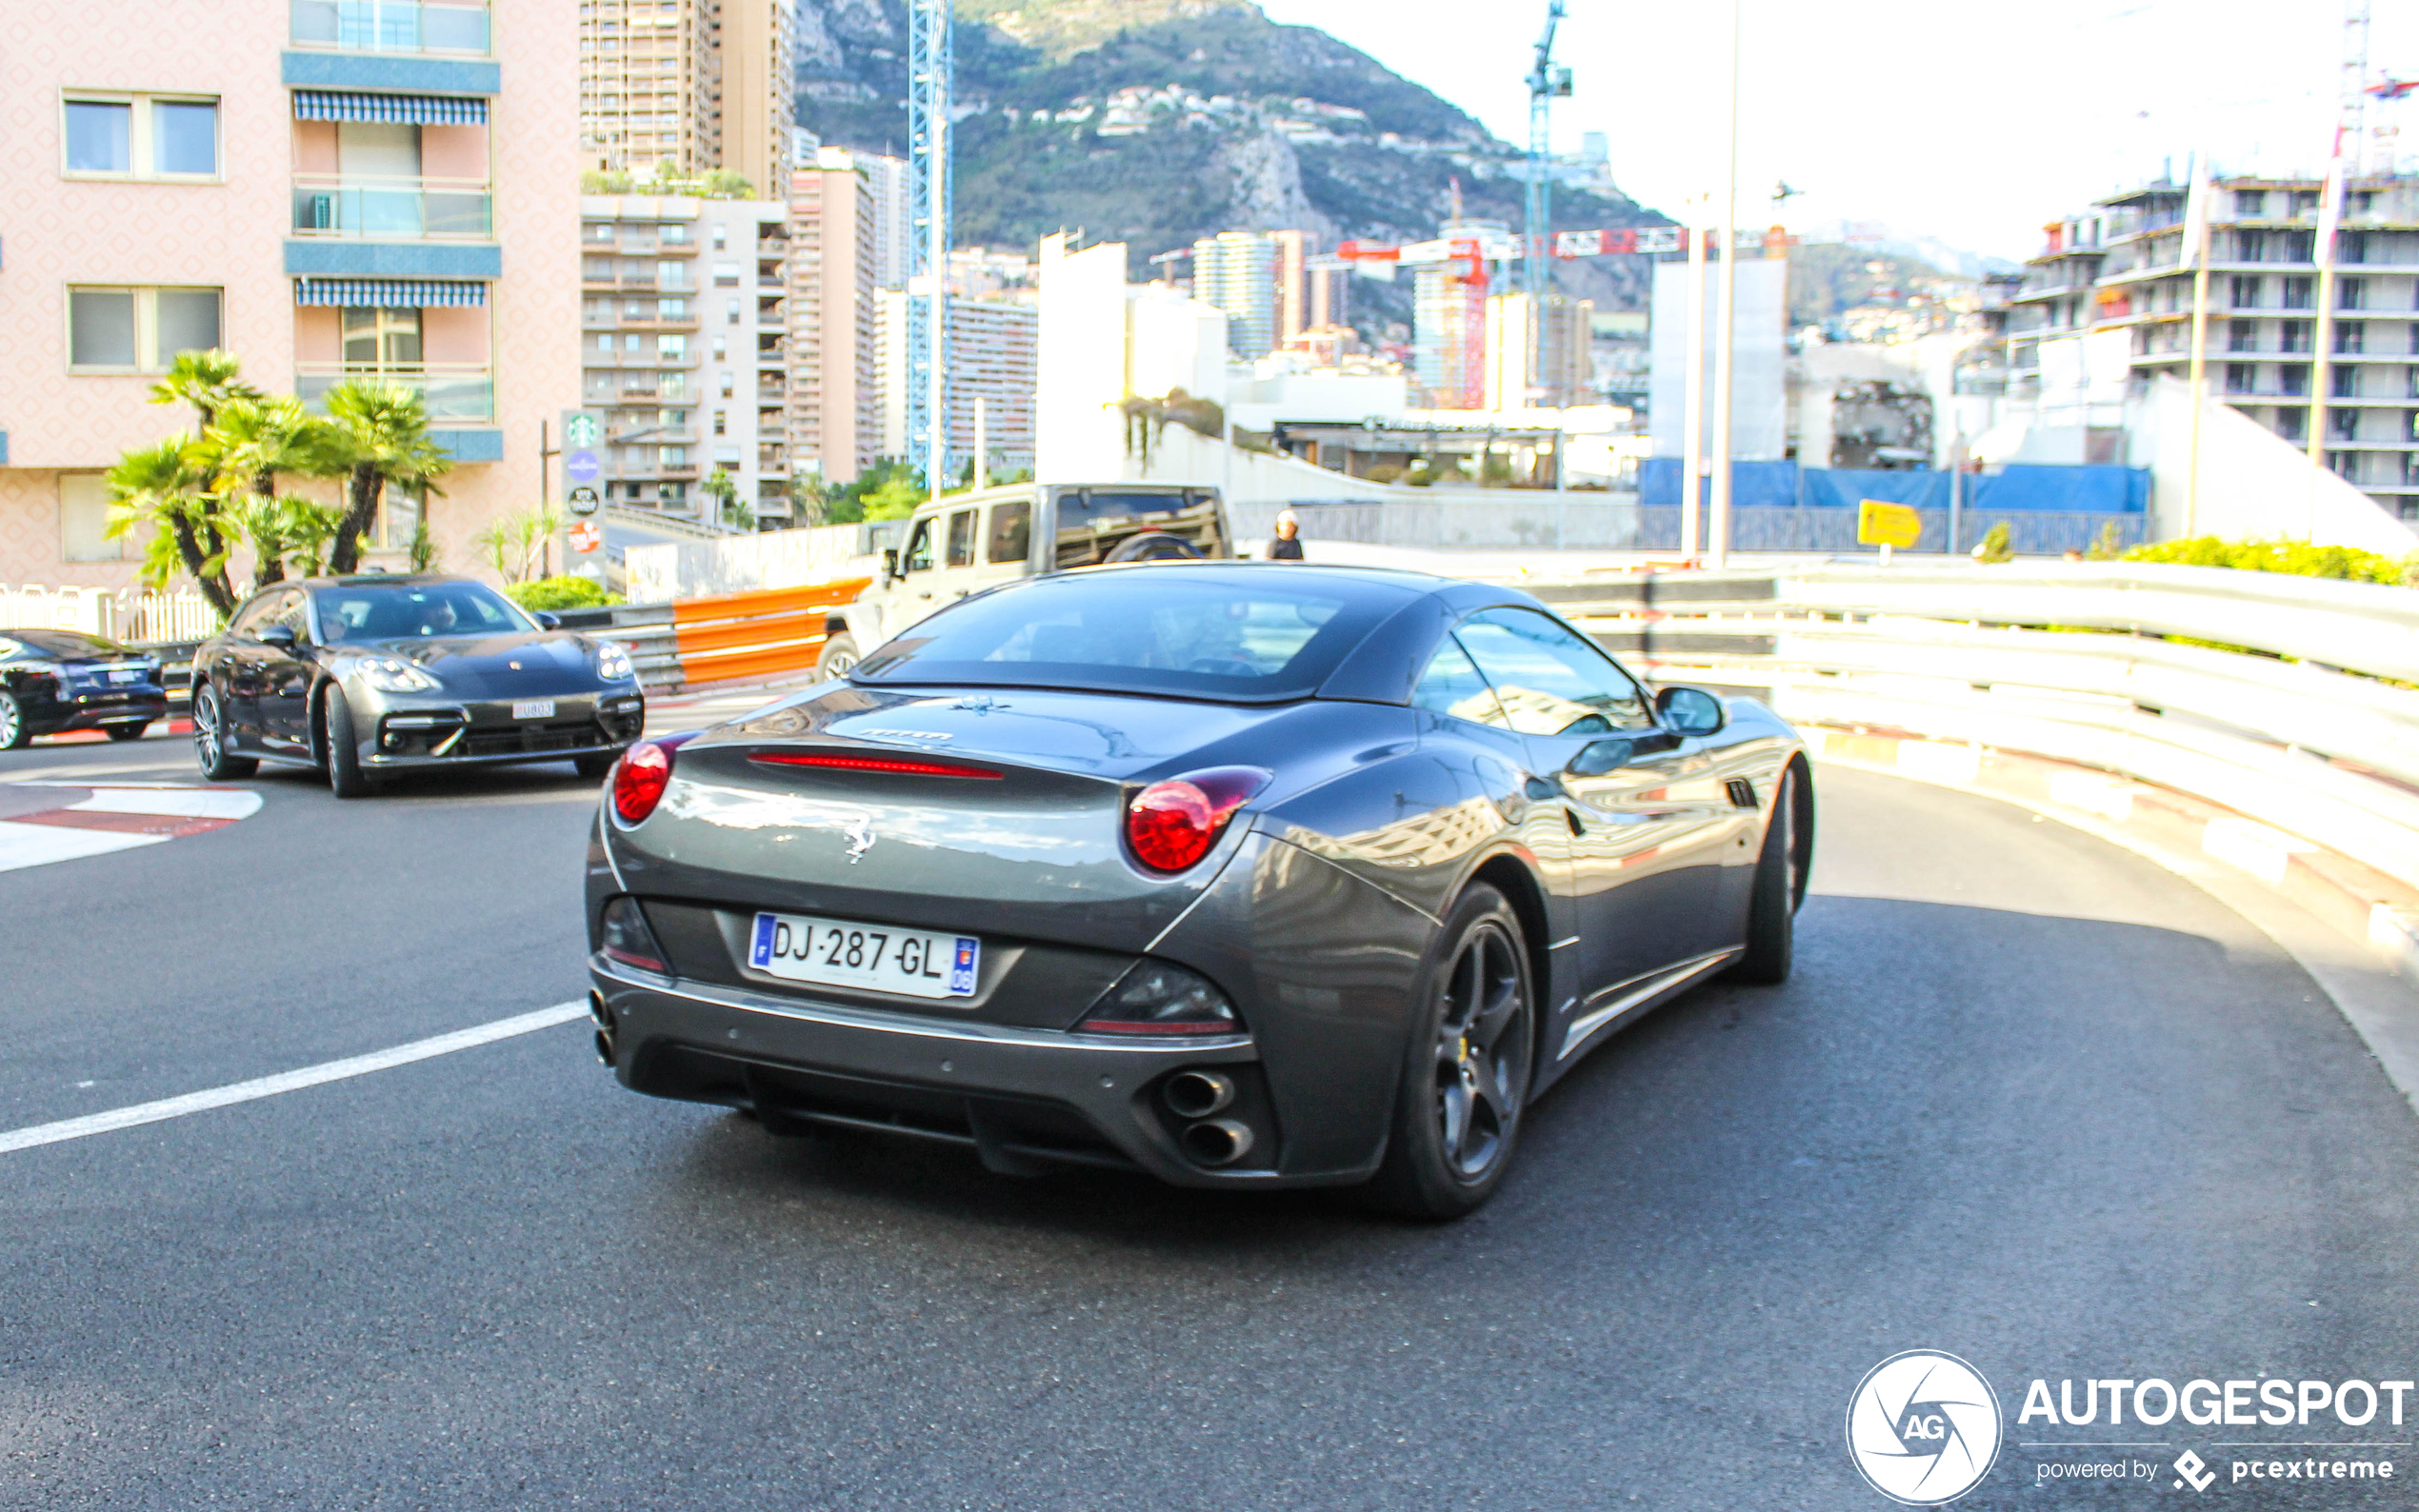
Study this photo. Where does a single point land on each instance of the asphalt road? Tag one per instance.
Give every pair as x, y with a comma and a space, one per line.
2028, 1099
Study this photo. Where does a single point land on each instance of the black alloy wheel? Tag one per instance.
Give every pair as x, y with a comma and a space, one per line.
13, 733
345, 777
1778, 888
1466, 1084
209, 739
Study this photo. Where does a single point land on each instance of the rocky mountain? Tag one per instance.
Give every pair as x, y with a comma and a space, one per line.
1155, 121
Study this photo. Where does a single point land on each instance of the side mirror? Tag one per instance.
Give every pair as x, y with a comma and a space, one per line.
889, 563
547, 620
1601, 756
280, 636
1691, 711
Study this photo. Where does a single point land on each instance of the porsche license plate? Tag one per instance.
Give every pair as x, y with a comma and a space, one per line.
533, 708
912, 962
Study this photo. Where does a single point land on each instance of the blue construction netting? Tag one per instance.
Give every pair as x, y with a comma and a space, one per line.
2019, 487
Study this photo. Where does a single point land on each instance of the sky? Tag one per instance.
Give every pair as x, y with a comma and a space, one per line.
1969, 122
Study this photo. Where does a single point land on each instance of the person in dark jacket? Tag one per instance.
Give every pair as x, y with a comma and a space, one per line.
1285, 545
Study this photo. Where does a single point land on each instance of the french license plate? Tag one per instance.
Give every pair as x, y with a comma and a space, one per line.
130, 674
533, 708
857, 955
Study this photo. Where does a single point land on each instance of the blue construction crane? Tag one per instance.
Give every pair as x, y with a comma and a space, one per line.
929, 82
1547, 82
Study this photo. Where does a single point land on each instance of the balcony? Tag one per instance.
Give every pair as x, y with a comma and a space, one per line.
392, 209
452, 390
453, 27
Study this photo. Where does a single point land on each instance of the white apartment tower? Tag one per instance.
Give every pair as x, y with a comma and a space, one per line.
698, 85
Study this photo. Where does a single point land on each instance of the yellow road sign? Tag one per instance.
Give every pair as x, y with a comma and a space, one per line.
1879, 524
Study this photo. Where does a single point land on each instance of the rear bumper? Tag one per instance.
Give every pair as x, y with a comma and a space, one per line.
1020, 1097
92, 711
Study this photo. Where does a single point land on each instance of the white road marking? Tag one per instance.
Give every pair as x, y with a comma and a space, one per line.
192, 803
76, 1128
40, 844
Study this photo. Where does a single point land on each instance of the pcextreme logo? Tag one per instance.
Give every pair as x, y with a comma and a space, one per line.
1923, 1428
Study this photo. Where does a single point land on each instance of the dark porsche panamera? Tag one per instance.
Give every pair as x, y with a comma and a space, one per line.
369, 676
1240, 874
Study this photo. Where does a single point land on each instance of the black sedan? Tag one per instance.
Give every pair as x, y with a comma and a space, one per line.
54, 681
365, 677
1240, 874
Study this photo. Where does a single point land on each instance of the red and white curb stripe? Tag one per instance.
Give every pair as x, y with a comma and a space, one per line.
116, 818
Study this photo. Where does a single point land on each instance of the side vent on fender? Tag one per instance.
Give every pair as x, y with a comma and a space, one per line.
1742, 792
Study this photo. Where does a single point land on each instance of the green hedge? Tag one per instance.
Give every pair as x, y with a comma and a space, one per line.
565, 593
2299, 558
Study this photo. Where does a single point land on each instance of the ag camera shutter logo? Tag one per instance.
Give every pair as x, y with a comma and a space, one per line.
1923, 1428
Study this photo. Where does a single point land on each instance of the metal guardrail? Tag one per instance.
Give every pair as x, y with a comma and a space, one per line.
2297, 737
727, 638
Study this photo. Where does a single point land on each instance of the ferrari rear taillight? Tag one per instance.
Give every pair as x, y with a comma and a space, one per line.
1171, 825
643, 773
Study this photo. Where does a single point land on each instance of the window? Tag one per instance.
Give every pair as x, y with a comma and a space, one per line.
84, 519
2344, 383
1550, 681
2349, 336
675, 233
2297, 293
2343, 425
2293, 377
962, 538
2291, 424
2351, 293
671, 309
722, 237
2242, 337
727, 383
2292, 335
726, 275
671, 347
2245, 292
1011, 532
730, 312
2240, 378
718, 421
1452, 687
2251, 202
377, 339
722, 348
141, 136
2251, 246
138, 330
918, 557
2351, 246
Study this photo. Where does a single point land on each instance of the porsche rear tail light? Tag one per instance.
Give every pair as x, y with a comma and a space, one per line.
623, 936
1171, 825
643, 773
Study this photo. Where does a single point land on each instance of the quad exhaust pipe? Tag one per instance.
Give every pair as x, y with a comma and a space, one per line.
1217, 1142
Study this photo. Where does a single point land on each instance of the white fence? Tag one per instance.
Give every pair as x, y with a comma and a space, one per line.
2312, 729
117, 614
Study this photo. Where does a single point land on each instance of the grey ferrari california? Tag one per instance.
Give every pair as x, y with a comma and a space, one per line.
1241, 874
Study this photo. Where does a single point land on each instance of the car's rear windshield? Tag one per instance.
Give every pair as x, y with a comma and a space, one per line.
67, 643
397, 611
1249, 635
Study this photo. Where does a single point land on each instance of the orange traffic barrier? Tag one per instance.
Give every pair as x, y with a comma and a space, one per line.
762, 632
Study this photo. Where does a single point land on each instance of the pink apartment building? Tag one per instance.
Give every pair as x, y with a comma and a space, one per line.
323, 187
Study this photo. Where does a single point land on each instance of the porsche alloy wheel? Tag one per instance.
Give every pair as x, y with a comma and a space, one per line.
12, 728
209, 739
1467, 1083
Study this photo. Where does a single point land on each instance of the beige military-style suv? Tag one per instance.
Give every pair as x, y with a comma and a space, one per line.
969, 541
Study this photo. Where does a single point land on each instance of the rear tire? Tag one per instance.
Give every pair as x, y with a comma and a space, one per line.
128, 731
209, 739
1780, 884
1465, 1069
345, 777
13, 733
839, 654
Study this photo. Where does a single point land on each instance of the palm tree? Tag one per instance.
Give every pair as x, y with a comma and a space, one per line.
161, 486
381, 433
206, 380
250, 443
